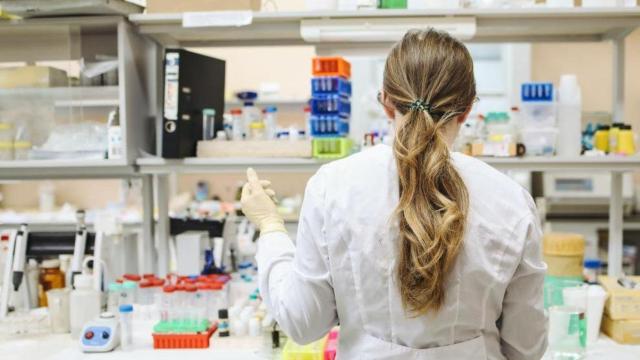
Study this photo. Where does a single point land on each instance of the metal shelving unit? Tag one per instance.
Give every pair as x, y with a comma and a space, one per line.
491, 25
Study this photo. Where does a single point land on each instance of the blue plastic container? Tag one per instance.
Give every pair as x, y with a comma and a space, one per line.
329, 126
332, 85
330, 105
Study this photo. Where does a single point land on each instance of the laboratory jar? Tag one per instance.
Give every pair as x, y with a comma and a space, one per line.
128, 293
567, 305
208, 124
113, 297
237, 127
145, 292
564, 254
50, 278
626, 141
21, 150
601, 138
257, 130
58, 304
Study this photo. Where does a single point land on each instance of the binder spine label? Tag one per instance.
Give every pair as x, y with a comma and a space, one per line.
171, 90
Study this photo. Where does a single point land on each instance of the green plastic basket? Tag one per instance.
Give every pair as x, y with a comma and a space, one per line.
331, 148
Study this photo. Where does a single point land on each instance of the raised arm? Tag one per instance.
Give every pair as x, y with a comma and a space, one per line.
295, 282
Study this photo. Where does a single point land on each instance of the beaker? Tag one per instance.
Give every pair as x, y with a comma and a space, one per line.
58, 304
567, 303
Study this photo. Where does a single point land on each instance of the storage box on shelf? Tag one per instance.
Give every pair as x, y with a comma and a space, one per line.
330, 107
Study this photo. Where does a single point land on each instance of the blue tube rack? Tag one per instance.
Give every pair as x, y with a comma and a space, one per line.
330, 105
329, 126
330, 85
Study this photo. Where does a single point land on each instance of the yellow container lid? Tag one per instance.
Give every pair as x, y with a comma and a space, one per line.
256, 125
563, 244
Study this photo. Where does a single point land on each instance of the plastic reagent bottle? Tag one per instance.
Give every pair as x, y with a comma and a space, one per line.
569, 116
271, 122
84, 302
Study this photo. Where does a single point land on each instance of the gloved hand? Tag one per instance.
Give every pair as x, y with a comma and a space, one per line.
258, 204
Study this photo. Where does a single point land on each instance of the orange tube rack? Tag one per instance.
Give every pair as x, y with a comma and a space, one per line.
331, 66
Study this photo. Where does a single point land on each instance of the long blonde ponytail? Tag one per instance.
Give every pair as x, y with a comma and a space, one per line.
429, 79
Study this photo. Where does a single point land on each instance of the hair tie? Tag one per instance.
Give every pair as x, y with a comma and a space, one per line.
420, 105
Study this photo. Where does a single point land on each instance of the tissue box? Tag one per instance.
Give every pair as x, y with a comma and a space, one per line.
622, 303
622, 331
176, 6
32, 77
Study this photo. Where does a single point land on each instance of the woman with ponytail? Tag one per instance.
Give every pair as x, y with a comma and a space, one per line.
415, 251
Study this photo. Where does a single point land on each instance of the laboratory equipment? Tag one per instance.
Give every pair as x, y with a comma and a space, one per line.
564, 253
595, 309
538, 107
79, 246
50, 278
237, 121
20, 256
126, 327
190, 251
85, 302
100, 334
113, 297
539, 141
192, 82
115, 146
626, 141
331, 148
227, 125
601, 138
331, 66
324, 85
128, 293
312, 351
271, 122
569, 116
567, 304
223, 322
257, 131
58, 304
208, 124
591, 270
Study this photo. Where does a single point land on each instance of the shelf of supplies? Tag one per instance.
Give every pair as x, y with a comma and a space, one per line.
230, 165
493, 25
226, 165
282, 102
65, 169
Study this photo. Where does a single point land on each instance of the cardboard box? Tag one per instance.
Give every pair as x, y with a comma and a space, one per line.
176, 6
255, 148
622, 331
32, 77
622, 303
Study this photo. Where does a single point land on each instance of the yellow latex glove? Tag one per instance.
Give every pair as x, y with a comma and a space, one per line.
258, 205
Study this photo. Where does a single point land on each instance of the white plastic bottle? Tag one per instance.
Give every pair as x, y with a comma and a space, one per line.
569, 117
84, 303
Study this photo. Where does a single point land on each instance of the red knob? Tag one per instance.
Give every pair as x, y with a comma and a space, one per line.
88, 335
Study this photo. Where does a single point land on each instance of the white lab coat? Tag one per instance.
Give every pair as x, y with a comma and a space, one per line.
342, 270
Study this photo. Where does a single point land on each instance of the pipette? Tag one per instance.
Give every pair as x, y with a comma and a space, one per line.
20, 256
79, 246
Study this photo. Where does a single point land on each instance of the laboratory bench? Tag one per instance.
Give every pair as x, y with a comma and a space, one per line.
62, 347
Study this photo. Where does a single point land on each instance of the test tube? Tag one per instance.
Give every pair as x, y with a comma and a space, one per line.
113, 300
126, 331
166, 307
128, 294
191, 306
